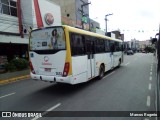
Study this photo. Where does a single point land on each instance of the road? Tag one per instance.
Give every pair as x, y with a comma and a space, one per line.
128, 88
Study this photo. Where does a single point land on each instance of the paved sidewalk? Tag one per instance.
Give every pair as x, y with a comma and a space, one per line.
14, 76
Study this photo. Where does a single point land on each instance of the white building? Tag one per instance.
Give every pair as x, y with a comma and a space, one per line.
16, 19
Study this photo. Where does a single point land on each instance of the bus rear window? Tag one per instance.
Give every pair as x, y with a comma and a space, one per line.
48, 39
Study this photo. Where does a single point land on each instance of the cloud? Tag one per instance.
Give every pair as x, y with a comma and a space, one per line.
128, 14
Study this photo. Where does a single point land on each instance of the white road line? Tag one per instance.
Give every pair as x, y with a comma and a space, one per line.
127, 63
50, 109
7, 95
150, 78
146, 119
148, 101
150, 85
151, 69
108, 74
150, 73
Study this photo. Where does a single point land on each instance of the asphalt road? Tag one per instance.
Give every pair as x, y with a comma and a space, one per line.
128, 88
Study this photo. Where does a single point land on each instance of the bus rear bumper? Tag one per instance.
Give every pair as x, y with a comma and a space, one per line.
52, 78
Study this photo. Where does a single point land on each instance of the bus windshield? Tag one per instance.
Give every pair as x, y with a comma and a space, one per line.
48, 39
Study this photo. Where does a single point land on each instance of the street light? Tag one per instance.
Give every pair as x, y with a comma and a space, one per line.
106, 20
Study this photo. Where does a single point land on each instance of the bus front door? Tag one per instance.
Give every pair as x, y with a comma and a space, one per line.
90, 58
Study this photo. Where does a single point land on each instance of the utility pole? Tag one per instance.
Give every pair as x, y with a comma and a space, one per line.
83, 19
106, 21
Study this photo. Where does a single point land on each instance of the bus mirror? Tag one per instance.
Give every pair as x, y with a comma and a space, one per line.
154, 40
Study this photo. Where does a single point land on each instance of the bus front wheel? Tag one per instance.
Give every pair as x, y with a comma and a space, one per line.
101, 72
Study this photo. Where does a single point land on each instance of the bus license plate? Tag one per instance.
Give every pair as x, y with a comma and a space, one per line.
47, 69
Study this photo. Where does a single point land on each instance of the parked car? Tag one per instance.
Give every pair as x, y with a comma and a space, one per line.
130, 52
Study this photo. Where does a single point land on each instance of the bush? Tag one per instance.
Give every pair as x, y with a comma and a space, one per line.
10, 67
20, 63
17, 64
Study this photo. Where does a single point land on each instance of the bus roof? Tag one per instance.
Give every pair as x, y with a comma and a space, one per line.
77, 30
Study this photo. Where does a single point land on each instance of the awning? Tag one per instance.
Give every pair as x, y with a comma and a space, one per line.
13, 39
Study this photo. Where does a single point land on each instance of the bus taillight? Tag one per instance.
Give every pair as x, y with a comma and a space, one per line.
31, 67
66, 69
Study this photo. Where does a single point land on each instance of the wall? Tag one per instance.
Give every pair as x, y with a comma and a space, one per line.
28, 15
49, 7
67, 7
29, 18
8, 23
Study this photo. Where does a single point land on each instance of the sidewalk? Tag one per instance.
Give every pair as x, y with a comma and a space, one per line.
14, 76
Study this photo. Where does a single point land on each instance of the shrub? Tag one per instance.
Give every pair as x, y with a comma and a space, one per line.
20, 63
17, 64
10, 67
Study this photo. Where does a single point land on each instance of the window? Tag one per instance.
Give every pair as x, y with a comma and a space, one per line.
118, 46
77, 44
8, 7
107, 47
0, 7
100, 45
112, 46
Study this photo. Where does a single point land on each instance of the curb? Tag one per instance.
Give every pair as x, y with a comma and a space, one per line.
2, 82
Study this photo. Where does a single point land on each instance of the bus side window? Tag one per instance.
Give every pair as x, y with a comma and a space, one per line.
112, 46
83, 45
100, 45
117, 46
107, 48
77, 44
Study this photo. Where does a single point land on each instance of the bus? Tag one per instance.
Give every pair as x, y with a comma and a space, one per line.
65, 54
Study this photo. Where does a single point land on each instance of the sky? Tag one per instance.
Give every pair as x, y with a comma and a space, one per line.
137, 19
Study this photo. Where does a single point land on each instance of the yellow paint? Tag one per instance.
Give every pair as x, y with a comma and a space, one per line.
13, 79
68, 50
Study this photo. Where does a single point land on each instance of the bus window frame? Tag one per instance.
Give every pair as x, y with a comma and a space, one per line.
49, 51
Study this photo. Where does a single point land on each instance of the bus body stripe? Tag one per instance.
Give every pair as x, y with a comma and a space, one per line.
68, 50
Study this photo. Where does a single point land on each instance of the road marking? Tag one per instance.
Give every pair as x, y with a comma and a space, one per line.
151, 69
148, 101
108, 74
50, 109
7, 95
150, 85
150, 73
127, 63
146, 119
150, 78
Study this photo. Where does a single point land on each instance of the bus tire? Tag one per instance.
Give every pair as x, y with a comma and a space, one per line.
101, 72
119, 63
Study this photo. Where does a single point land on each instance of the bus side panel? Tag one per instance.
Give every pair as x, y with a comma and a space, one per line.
79, 69
100, 59
117, 56
108, 62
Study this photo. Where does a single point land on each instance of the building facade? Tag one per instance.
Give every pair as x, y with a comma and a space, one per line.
18, 17
73, 11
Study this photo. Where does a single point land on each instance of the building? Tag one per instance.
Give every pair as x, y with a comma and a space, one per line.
137, 45
74, 12
18, 17
144, 44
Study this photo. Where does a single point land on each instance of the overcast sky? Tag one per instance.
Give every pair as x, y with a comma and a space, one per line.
138, 19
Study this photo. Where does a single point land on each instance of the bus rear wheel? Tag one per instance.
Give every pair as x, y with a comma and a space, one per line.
101, 72
119, 63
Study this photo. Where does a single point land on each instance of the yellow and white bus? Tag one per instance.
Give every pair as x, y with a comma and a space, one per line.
70, 55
